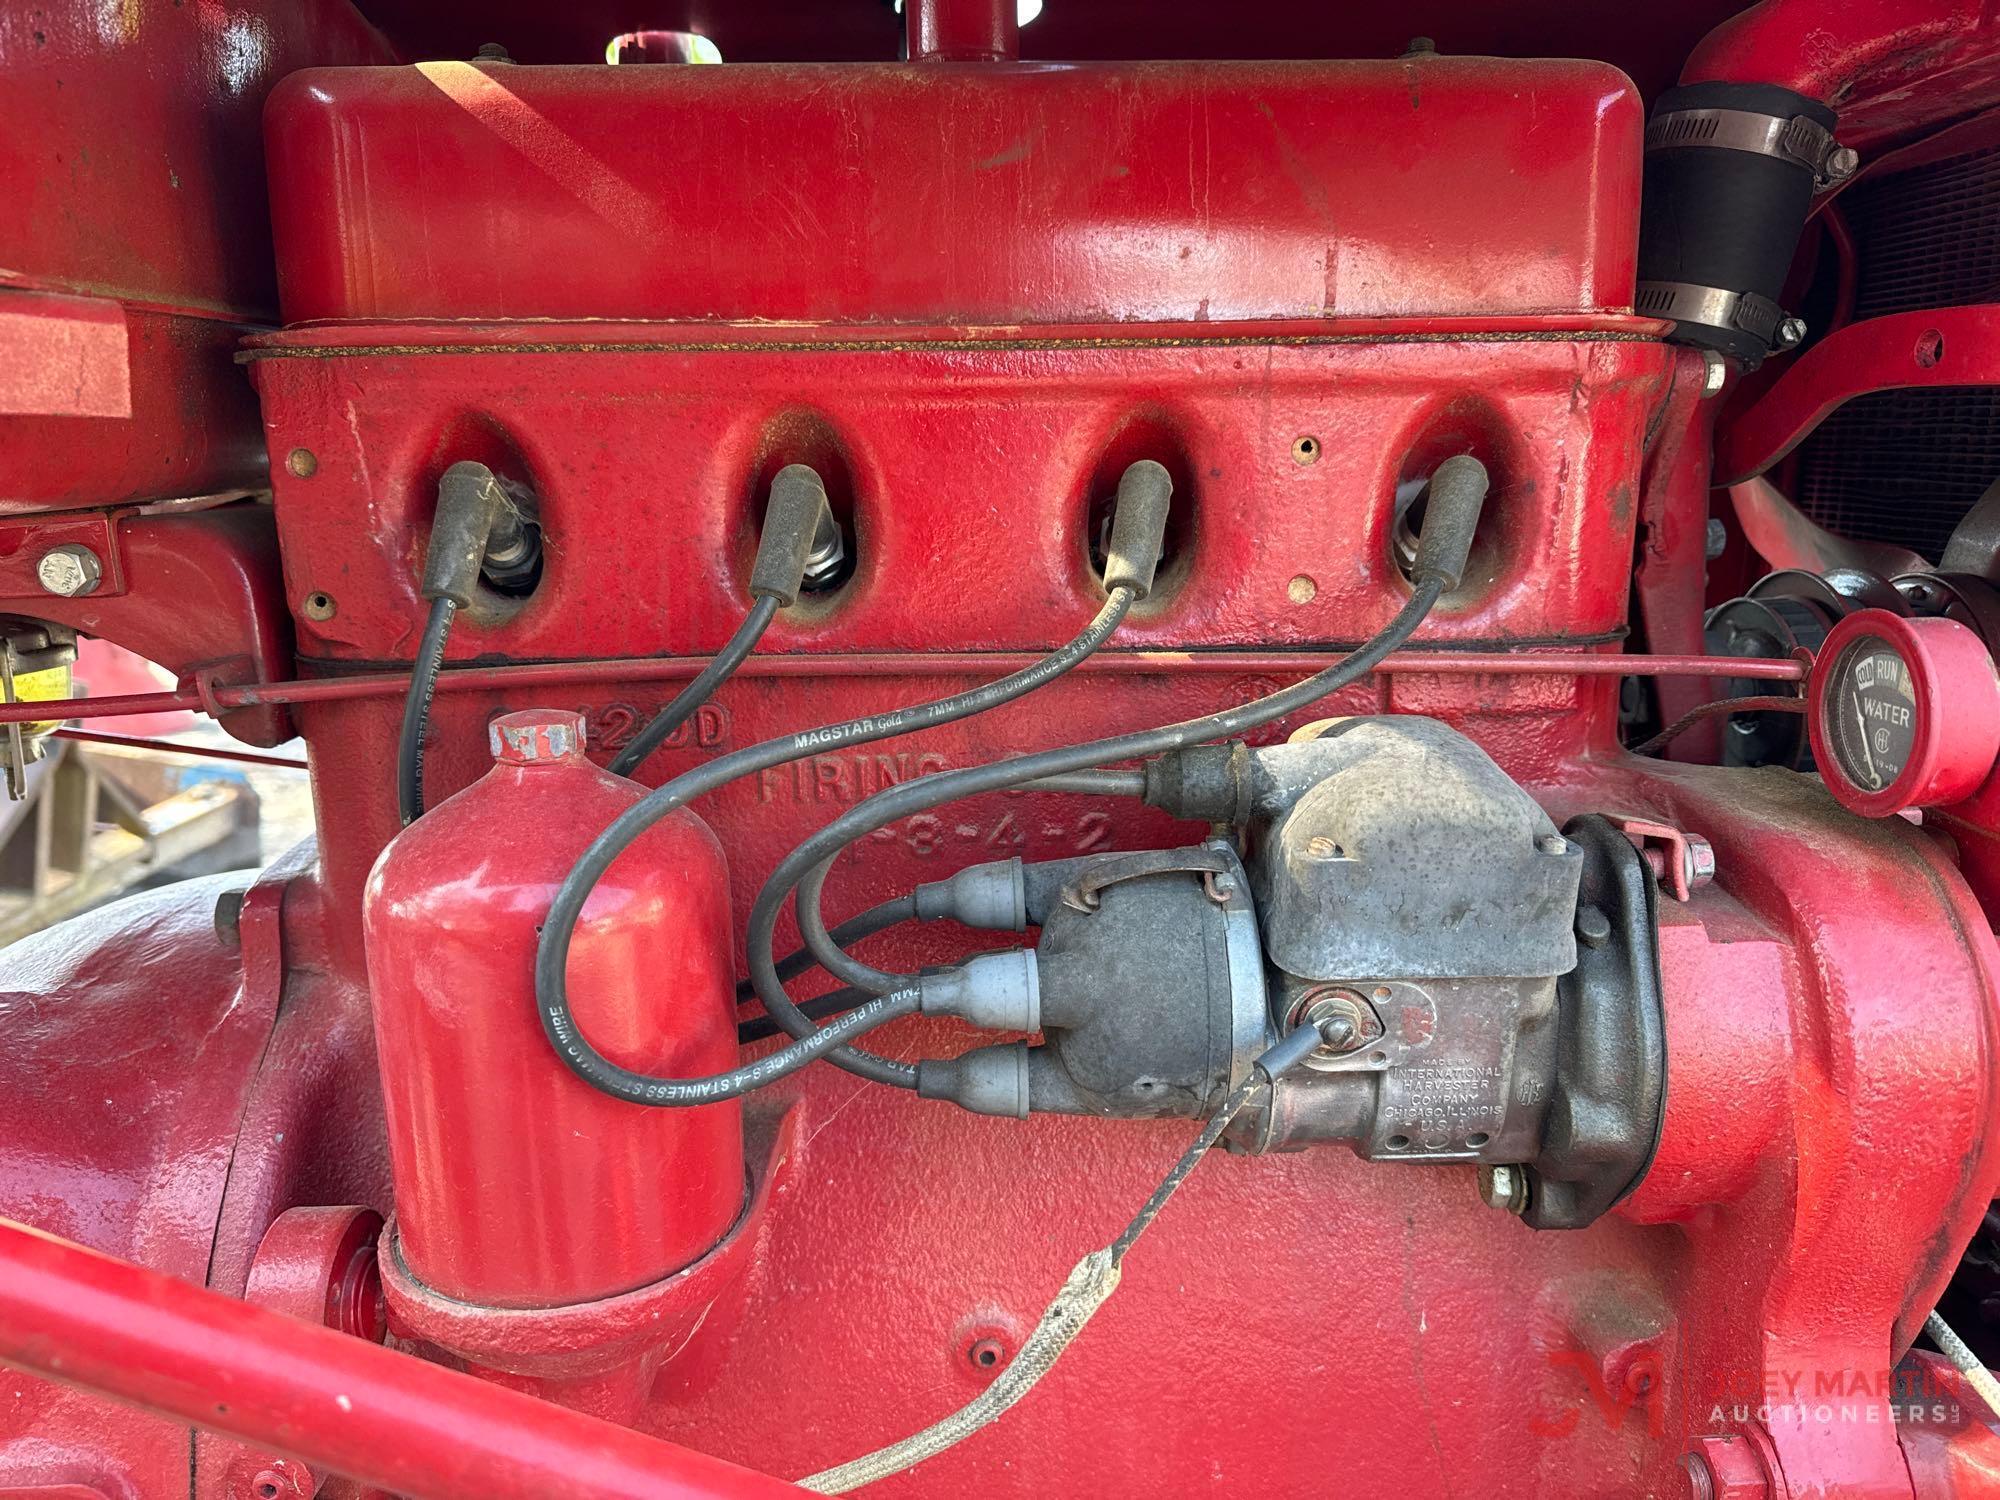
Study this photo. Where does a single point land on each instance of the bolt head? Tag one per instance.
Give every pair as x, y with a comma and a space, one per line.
1716, 541
1504, 1187
1337, 1032
70, 571
1725, 1466
1697, 860
1791, 333
1552, 843
1714, 373
1840, 164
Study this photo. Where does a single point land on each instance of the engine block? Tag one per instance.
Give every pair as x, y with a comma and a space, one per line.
970, 297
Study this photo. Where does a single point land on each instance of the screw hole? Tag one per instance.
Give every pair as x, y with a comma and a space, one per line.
1477, 1139
1305, 450
1398, 1143
986, 1354
319, 606
1302, 589
1930, 348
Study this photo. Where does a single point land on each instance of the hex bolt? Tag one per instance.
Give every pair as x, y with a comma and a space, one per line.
70, 570
1504, 1187
1841, 162
1725, 1466
1716, 541
1697, 860
1791, 333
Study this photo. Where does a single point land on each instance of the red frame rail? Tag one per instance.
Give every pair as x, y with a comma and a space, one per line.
387, 1419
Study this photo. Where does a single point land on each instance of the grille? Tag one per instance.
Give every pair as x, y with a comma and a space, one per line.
1905, 466
1902, 466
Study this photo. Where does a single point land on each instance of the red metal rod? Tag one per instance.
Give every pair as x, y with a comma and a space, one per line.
950, 664
173, 747
385, 1418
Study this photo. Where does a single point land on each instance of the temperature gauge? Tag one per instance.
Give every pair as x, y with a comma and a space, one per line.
1903, 712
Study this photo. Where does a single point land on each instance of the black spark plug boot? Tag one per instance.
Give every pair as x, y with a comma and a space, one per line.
1138, 528
1454, 498
798, 524
478, 528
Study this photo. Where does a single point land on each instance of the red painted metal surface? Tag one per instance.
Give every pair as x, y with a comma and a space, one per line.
122, 1139
144, 266
411, 1427
1831, 996
972, 478
1889, 67
319, 1265
1670, 573
1944, 346
608, 1355
196, 592
518, 1185
996, 195
1786, 1305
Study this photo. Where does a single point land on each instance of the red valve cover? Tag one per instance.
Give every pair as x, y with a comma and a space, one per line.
990, 195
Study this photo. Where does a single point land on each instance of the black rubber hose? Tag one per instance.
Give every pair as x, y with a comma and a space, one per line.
853, 930
552, 953
719, 670
816, 854
417, 710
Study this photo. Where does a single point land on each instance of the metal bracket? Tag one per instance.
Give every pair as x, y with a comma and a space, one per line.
1085, 892
1680, 861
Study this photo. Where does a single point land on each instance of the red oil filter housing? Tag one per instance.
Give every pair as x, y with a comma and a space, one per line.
516, 1184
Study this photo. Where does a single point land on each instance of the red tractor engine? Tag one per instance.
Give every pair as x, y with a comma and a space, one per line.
899, 654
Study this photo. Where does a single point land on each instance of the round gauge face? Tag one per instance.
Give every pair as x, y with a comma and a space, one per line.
1871, 714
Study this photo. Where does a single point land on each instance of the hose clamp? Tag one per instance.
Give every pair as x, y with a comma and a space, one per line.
1716, 307
1797, 139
